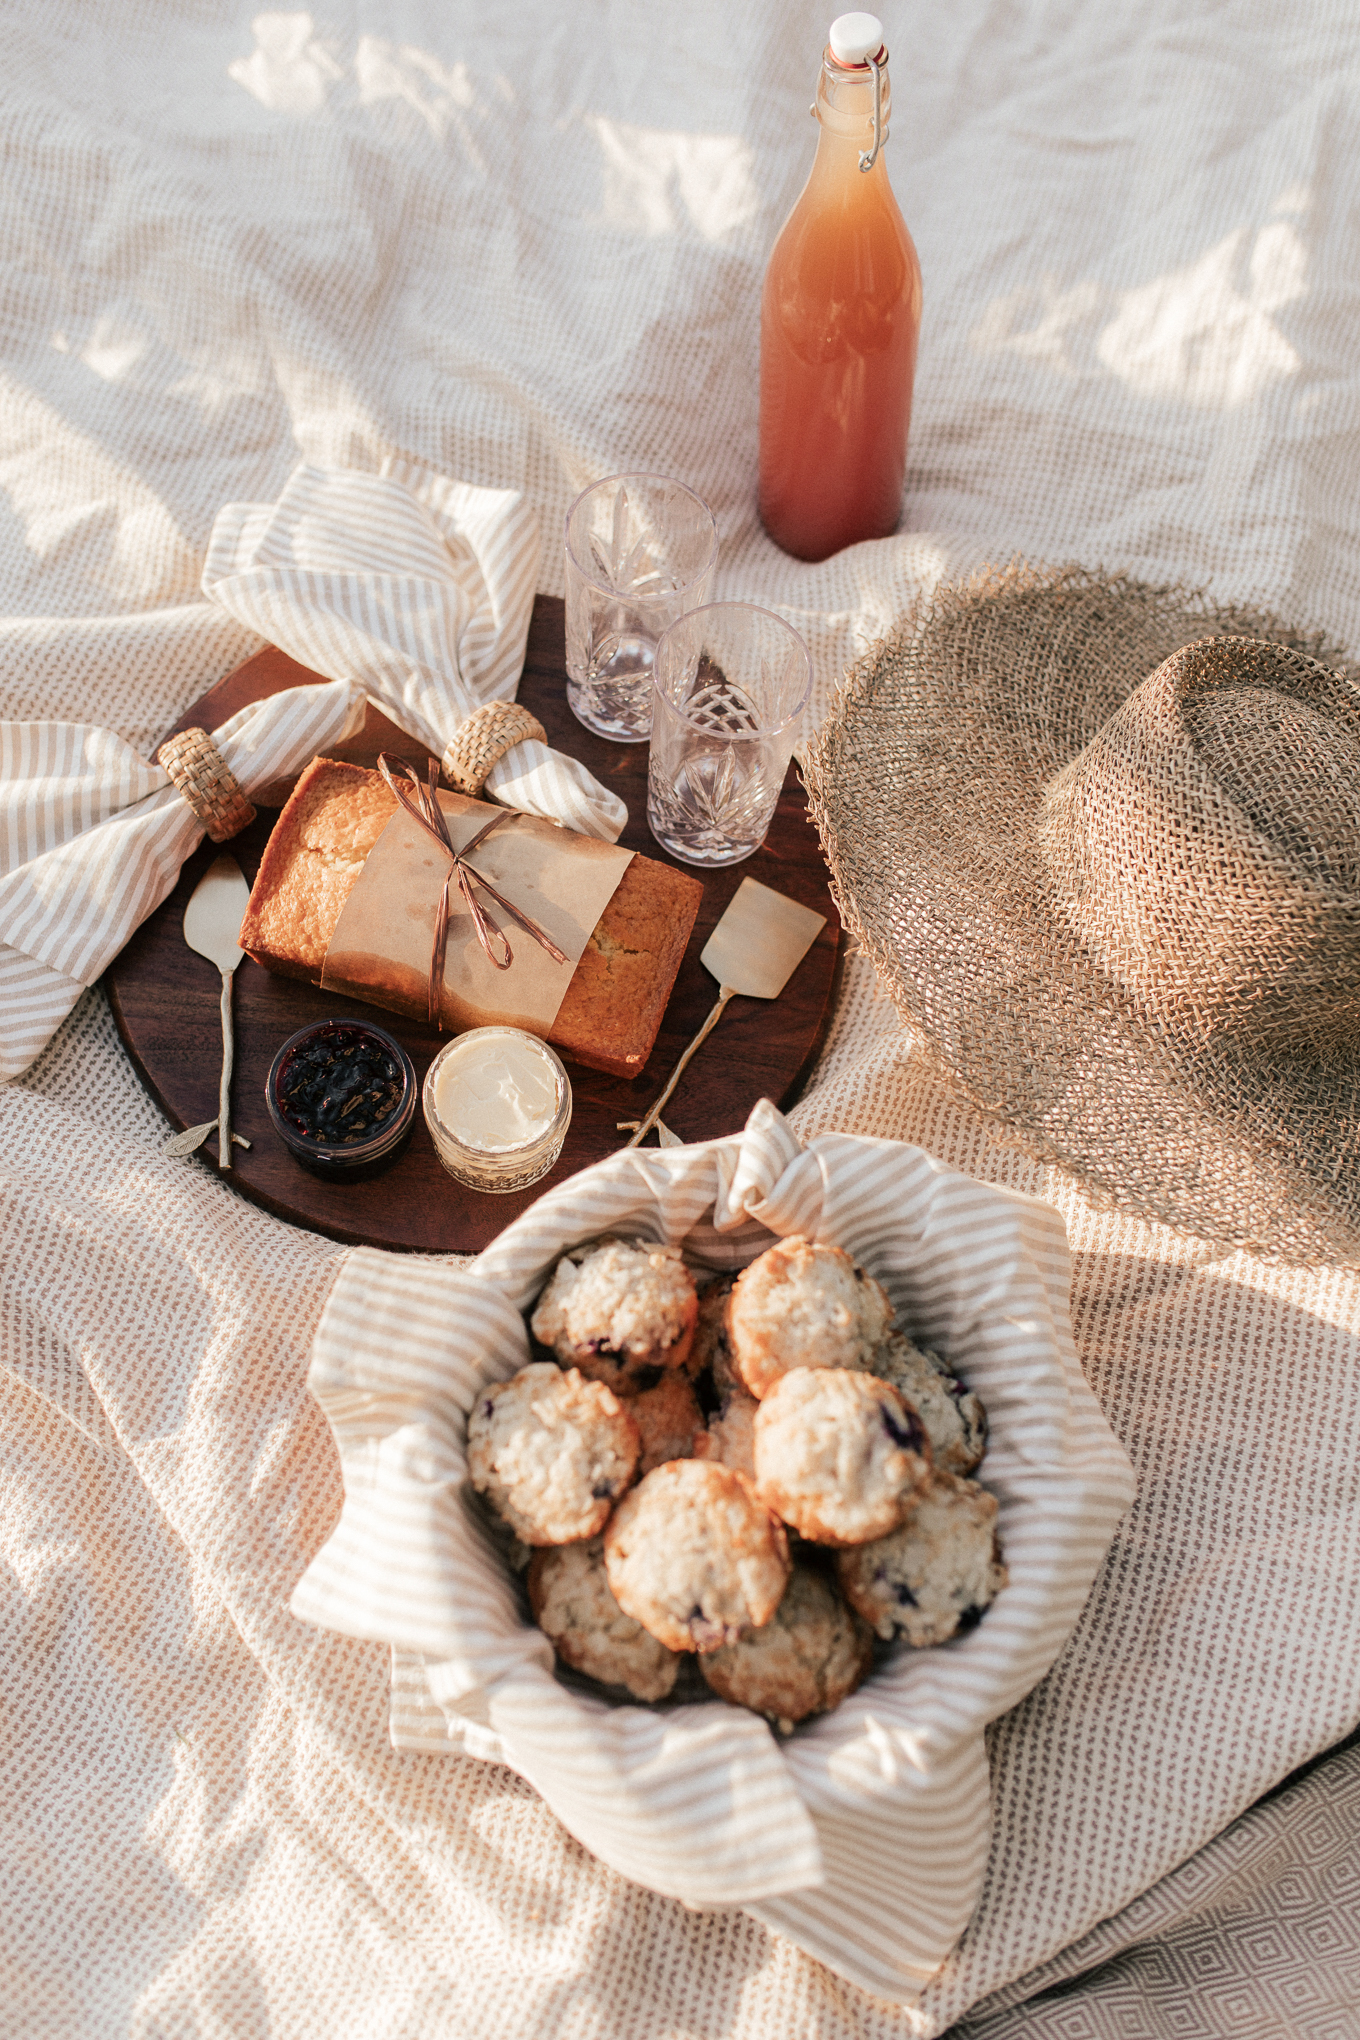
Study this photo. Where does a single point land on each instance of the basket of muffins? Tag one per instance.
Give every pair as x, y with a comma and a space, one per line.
763, 1484
626, 1515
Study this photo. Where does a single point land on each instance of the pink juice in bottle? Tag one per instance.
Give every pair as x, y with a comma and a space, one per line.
839, 322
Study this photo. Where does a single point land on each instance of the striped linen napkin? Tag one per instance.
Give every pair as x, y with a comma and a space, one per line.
863, 1836
405, 586
92, 838
419, 586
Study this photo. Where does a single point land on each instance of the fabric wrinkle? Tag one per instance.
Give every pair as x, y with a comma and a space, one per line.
526, 259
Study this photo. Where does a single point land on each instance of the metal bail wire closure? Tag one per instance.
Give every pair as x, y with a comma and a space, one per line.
428, 813
878, 65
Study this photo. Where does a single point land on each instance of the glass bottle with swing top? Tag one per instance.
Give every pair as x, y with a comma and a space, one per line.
839, 321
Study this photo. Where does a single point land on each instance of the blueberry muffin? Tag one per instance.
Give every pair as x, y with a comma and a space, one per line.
694, 1556
711, 1348
730, 1436
807, 1658
802, 1305
622, 1314
955, 1421
934, 1575
551, 1452
569, 1594
667, 1418
838, 1454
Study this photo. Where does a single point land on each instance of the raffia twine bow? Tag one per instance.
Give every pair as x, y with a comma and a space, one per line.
430, 816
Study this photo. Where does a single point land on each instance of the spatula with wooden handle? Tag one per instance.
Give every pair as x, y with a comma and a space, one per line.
755, 949
212, 921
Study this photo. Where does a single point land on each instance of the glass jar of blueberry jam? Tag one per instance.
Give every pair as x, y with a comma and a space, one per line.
342, 1096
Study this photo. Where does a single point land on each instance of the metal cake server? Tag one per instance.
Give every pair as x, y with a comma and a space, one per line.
212, 921
755, 949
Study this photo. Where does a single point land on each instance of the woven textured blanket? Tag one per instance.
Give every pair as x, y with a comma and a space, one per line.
525, 252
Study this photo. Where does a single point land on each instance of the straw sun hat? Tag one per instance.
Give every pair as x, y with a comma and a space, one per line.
1102, 843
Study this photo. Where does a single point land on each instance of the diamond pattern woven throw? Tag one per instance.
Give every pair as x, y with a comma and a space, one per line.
155, 1339
239, 238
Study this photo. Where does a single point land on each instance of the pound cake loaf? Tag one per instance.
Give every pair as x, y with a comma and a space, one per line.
609, 1017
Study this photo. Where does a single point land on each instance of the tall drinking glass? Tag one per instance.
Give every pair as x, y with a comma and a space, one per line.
640, 551
729, 689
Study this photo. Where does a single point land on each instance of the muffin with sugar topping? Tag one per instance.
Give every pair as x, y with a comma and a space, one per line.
803, 1304
570, 1595
730, 1435
838, 1454
694, 1557
806, 1659
624, 1314
668, 1419
936, 1573
955, 1421
552, 1453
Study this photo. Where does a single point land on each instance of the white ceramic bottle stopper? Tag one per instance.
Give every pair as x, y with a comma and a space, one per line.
854, 38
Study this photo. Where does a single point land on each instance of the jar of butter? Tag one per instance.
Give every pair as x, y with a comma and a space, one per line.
498, 1104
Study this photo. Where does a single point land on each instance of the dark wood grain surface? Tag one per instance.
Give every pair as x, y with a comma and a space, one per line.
165, 999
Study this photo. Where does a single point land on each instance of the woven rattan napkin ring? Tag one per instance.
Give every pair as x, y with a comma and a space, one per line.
207, 782
483, 740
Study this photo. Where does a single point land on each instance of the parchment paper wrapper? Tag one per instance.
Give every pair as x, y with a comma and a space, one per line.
864, 1835
382, 943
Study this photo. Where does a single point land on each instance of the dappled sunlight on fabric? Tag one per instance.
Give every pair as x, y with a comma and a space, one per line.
441, 94
1201, 335
115, 524
288, 71
1196, 336
123, 345
657, 182
654, 181
114, 347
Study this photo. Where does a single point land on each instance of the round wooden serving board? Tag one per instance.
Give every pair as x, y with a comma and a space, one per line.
166, 999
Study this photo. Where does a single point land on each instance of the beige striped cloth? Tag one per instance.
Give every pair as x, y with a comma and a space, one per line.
864, 1836
420, 586
92, 838
405, 586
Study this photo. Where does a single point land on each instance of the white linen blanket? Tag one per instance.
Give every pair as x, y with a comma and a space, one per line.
524, 250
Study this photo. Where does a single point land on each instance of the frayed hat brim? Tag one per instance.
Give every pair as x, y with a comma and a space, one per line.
925, 783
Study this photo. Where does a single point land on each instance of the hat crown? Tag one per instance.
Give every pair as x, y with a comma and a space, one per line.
1290, 764
1205, 845
943, 761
